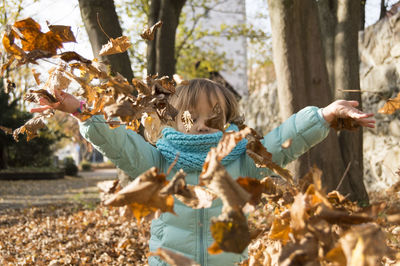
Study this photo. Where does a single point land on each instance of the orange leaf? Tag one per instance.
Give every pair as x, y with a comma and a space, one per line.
115, 46
390, 106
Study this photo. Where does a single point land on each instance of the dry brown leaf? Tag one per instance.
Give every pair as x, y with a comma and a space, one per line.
336, 255
341, 217
34, 39
344, 123
216, 120
187, 120
298, 212
195, 197
364, 244
32, 126
35, 95
229, 141
152, 125
57, 80
143, 194
218, 180
115, 46
148, 34
141, 87
304, 252
230, 232
179, 80
172, 258
255, 187
391, 106
36, 76
64, 33
280, 229
70, 56
107, 188
263, 158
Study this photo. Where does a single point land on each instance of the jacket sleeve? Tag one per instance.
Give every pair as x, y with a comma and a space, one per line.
305, 128
125, 148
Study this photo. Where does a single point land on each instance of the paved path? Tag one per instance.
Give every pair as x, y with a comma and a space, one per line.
26, 193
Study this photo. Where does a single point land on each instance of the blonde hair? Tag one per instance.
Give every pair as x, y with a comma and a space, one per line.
186, 96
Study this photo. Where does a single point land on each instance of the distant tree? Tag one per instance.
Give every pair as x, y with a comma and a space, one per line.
161, 51
23, 153
101, 20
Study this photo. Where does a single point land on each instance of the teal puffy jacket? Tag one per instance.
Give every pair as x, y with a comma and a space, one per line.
188, 233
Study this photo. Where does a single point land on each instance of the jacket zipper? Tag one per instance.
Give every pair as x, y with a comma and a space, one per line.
201, 237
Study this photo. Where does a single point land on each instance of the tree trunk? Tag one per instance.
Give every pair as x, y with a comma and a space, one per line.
302, 77
347, 78
303, 80
108, 19
151, 45
161, 51
382, 12
362, 14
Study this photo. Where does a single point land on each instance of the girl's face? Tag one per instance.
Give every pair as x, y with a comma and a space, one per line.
200, 114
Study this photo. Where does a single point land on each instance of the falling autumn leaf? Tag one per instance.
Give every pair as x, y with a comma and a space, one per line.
35, 95
143, 195
31, 127
263, 158
148, 34
115, 46
344, 123
195, 197
187, 120
216, 120
230, 232
36, 75
391, 106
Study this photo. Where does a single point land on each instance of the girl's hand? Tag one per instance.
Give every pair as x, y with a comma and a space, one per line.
65, 102
346, 109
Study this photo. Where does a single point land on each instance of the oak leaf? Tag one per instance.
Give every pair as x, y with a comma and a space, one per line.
34, 39
115, 46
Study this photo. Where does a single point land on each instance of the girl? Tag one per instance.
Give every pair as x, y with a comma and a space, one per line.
188, 232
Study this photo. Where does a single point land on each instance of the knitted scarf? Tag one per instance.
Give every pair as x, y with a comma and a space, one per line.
193, 149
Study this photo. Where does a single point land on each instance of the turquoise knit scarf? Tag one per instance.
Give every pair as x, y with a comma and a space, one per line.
193, 149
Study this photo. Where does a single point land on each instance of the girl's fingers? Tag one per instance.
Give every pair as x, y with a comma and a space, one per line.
353, 103
40, 109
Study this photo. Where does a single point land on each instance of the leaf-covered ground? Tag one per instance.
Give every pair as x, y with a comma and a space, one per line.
71, 235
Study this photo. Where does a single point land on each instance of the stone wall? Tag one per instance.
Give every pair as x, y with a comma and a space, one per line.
379, 47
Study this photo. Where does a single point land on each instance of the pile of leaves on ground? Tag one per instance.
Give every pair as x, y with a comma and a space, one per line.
71, 235
306, 226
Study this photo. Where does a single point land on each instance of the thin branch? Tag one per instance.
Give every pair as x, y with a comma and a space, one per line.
358, 91
344, 175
